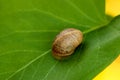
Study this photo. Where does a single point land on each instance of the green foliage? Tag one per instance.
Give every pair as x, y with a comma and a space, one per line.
28, 28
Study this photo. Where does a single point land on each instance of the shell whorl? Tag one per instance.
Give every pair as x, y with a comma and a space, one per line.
66, 42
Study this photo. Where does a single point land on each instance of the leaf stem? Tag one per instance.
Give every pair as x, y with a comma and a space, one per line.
94, 28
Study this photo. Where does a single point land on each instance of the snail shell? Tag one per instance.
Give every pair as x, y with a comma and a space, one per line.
66, 42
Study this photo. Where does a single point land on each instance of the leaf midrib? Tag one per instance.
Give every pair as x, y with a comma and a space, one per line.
54, 16
85, 32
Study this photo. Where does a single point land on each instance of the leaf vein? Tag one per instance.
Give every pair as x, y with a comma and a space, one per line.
50, 70
80, 11
28, 64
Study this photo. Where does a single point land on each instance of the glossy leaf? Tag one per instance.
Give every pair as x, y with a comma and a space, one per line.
28, 28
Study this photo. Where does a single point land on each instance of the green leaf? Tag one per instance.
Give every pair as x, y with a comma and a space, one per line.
28, 28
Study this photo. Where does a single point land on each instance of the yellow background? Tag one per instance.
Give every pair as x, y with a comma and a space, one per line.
113, 7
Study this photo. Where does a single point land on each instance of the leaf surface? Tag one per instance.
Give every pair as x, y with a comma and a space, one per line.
28, 28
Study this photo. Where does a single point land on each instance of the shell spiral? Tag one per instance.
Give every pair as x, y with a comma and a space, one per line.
66, 42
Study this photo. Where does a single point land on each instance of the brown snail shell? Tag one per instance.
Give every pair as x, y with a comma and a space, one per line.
66, 42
